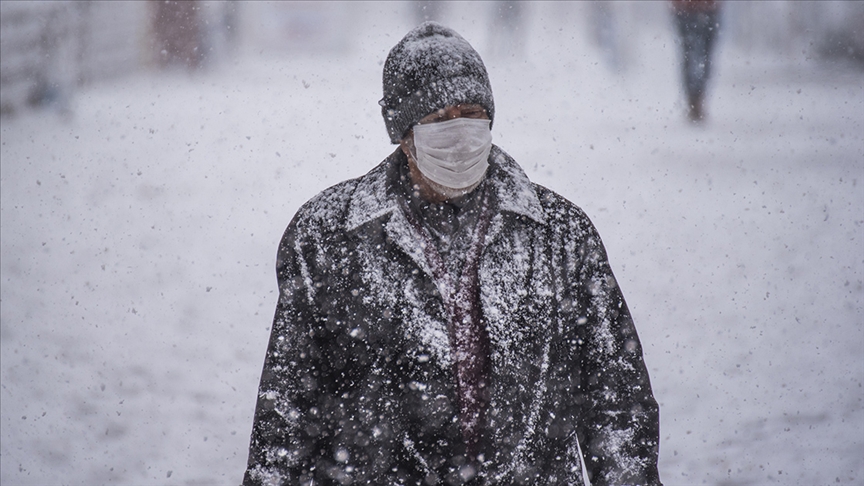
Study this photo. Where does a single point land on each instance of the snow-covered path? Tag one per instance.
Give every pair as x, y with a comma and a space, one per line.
138, 243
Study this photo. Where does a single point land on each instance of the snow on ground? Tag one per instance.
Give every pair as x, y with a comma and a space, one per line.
139, 237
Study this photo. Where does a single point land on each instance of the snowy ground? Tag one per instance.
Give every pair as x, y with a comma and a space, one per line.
138, 244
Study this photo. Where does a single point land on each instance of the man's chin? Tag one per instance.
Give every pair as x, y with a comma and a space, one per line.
448, 193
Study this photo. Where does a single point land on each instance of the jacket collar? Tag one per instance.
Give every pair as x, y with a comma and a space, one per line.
374, 197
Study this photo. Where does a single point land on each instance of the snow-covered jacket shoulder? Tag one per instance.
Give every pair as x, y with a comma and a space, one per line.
357, 385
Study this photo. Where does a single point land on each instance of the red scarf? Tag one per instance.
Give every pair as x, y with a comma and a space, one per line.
469, 341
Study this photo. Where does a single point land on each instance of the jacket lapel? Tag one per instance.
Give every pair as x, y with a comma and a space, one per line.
509, 254
513, 192
372, 200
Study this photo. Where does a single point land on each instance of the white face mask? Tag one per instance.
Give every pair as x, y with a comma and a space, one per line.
453, 153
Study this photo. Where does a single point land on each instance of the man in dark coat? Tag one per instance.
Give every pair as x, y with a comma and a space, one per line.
442, 320
698, 22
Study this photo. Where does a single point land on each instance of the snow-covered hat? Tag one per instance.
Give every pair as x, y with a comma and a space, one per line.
430, 68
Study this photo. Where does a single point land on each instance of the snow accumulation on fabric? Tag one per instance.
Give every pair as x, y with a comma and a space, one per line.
137, 273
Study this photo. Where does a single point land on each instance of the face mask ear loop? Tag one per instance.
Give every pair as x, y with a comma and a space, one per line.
412, 150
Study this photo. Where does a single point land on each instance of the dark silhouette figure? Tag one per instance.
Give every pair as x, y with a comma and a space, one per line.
178, 33
697, 22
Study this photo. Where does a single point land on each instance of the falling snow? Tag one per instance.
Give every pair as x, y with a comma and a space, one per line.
737, 245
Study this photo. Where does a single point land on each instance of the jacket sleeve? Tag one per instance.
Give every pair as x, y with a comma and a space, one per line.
286, 431
620, 420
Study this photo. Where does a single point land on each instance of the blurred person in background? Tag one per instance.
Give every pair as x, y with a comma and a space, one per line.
698, 22
53, 75
425, 10
507, 29
179, 34
443, 320
604, 30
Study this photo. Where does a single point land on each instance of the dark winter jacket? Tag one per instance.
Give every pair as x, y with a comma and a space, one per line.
357, 386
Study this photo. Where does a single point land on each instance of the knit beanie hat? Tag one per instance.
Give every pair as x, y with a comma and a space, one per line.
430, 68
